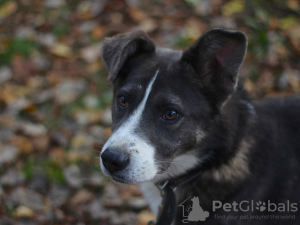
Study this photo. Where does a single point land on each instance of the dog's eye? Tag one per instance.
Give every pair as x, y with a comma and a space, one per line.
170, 115
122, 102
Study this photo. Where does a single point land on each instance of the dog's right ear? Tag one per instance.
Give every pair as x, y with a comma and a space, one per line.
117, 49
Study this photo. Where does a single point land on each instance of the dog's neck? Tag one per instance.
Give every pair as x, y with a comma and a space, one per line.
229, 168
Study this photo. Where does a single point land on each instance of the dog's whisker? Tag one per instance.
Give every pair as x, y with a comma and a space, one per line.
97, 146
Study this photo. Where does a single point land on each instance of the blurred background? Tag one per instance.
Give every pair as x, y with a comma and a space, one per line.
55, 99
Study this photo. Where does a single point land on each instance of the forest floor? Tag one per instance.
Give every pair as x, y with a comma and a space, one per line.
55, 98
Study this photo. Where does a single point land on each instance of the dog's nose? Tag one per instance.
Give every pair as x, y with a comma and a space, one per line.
115, 160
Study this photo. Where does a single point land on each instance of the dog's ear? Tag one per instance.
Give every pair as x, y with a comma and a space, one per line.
117, 49
217, 57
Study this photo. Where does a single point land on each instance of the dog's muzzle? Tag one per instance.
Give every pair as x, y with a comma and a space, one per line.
115, 160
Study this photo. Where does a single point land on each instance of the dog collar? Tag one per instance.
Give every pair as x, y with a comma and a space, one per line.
166, 211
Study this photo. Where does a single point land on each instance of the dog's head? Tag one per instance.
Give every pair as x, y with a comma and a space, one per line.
165, 102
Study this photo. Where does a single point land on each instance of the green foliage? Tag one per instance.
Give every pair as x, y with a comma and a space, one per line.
15, 46
61, 29
261, 41
28, 169
43, 165
191, 2
182, 42
2, 2
54, 172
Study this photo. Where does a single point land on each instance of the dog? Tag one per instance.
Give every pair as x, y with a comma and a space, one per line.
183, 117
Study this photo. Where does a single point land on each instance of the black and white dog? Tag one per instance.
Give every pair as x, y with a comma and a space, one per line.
183, 117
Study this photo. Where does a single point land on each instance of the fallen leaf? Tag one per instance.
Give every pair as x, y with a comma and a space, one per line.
69, 89
204, 7
32, 129
96, 209
288, 22
232, 7
266, 81
7, 120
144, 216
91, 53
52, 4
24, 212
84, 10
40, 143
193, 30
8, 94
5, 74
85, 117
293, 4
27, 197
78, 141
73, 176
8, 153
294, 38
137, 203
58, 156
249, 85
148, 25
81, 197
23, 144
98, 32
116, 18
7, 9
137, 14
12, 177
61, 50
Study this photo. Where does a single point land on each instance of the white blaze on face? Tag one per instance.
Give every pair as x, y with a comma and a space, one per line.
142, 165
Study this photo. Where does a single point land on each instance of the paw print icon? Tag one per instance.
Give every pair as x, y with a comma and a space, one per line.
261, 206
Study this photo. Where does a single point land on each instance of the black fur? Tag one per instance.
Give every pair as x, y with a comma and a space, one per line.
118, 49
201, 85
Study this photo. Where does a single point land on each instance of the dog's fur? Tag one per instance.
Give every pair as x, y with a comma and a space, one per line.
242, 150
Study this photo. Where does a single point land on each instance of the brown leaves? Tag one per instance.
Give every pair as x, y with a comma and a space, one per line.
7, 9
23, 144
294, 38
55, 100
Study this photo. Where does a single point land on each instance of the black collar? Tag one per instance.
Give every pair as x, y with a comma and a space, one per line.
167, 208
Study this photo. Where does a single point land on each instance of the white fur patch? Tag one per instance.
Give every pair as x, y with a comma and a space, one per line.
179, 166
152, 194
142, 166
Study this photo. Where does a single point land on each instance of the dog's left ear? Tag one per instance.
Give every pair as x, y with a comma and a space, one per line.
217, 57
117, 49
